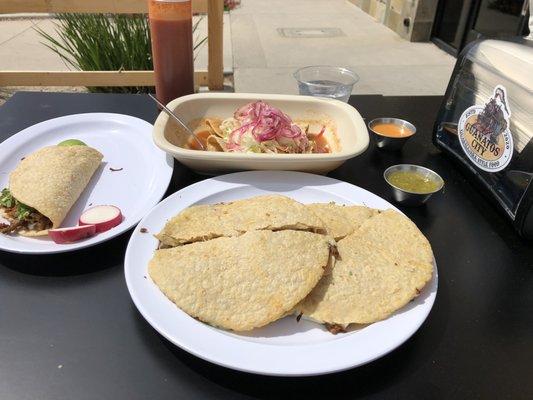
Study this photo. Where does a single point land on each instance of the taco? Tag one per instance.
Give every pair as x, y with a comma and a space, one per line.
44, 187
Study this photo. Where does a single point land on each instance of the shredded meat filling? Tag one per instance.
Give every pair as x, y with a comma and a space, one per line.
335, 328
12, 227
35, 221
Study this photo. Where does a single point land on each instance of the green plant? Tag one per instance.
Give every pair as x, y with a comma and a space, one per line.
231, 4
106, 42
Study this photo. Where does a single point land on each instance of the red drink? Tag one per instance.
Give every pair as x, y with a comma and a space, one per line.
171, 31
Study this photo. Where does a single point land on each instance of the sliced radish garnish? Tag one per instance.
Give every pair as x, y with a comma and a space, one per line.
71, 234
103, 217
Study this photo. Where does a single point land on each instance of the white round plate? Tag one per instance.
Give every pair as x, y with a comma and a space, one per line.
125, 141
283, 348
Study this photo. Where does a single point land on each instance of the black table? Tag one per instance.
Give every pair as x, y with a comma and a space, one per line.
68, 329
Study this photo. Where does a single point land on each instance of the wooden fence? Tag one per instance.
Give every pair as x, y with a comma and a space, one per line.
213, 77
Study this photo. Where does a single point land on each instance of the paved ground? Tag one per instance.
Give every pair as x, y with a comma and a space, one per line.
264, 61
21, 46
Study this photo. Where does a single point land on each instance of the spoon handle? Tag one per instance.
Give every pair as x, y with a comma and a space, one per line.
177, 119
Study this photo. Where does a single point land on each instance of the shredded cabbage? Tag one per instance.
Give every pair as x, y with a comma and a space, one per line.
263, 127
259, 127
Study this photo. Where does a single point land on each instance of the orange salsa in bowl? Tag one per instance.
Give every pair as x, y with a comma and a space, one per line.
391, 129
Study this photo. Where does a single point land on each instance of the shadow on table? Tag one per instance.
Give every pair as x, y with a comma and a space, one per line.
376, 377
353, 383
85, 261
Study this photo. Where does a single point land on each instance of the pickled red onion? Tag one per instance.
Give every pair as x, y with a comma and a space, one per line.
265, 123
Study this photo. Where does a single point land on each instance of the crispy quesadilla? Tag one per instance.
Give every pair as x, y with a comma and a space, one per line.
205, 222
243, 282
380, 268
341, 220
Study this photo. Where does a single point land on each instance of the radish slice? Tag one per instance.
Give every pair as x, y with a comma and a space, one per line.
72, 234
103, 217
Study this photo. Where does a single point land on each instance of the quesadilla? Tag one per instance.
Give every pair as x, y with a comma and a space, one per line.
44, 187
366, 285
380, 268
340, 220
205, 222
395, 233
243, 282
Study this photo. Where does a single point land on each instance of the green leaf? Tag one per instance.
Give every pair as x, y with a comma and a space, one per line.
23, 211
6, 199
106, 42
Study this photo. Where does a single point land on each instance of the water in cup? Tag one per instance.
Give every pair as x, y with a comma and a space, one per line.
325, 88
326, 81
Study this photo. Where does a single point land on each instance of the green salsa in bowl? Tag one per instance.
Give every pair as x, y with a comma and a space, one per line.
412, 184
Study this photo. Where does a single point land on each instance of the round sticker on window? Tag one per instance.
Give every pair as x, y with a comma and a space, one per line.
484, 133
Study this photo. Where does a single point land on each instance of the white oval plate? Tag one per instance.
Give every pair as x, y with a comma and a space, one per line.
125, 141
283, 348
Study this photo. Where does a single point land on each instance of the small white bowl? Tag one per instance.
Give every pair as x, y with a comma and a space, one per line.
351, 132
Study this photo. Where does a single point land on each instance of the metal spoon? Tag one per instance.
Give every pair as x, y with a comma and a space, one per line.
178, 120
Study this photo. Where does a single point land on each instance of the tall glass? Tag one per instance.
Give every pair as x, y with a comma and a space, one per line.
172, 48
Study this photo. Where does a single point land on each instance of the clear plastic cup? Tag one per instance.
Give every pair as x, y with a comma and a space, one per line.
326, 81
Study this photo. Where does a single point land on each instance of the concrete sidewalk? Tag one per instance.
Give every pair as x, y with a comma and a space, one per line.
21, 46
264, 60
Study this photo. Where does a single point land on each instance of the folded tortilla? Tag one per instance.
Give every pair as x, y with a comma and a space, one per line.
51, 179
381, 267
341, 220
367, 284
244, 282
206, 222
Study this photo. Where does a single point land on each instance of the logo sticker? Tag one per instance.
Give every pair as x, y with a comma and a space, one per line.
484, 133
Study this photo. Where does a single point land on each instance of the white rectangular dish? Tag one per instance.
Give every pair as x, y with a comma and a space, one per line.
351, 132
